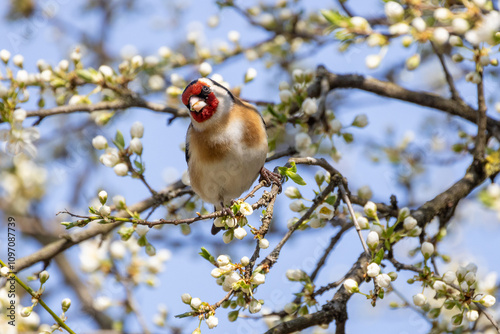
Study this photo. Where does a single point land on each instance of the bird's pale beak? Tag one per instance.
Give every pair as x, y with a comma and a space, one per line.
196, 103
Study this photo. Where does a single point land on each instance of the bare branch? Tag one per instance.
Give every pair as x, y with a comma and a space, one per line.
449, 79
69, 240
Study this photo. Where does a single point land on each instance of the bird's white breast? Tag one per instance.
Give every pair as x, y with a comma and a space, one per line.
222, 180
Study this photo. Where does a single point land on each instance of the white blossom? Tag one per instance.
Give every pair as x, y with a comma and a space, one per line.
246, 209
470, 278
360, 121
46, 75
488, 301
19, 115
63, 65
156, 82
363, 223
137, 130
240, 233
472, 315
212, 322
223, 260
449, 277
409, 223
383, 280
460, 25
400, 28
216, 273
325, 211
259, 279
245, 261
4, 55
18, 60
419, 24
136, 61
297, 205
213, 21
373, 61
302, 141
263, 243
373, 270
372, 239
195, 303
309, 106
151, 61
4, 272
419, 299
233, 36
22, 76
100, 142
104, 210
186, 298
110, 157
351, 285
292, 192
440, 286
295, 274
471, 267
136, 145
441, 35
205, 69
442, 14
102, 303
164, 52
142, 230
394, 11
427, 249
335, 126
370, 209
250, 74
106, 71
117, 249
103, 196
255, 306
121, 169
285, 96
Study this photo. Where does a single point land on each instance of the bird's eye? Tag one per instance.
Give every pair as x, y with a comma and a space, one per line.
205, 90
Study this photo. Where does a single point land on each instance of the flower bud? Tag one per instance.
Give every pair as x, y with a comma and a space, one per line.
186, 298
136, 146
292, 192
394, 11
488, 301
373, 270
360, 121
351, 285
137, 130
419, 299
212, 322
373, 61
104, 210
439, 286
309, 106
195, 303
245, 261
119, 201
449, 277
363, 223
383, 280
372, 240
106, 71
4, 272
121, 169
255, 306
370, 209
26, 311
4, 55
427, 249
409, 223
18, 60
103, 196
250, 74
470, 278
263, 243
240, 233
472, 315
99, 142
205, 69
136, 61
65, 304
43, 276
413, 62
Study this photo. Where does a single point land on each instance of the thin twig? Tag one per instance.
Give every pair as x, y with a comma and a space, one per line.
481, 137
488, 315
451, 84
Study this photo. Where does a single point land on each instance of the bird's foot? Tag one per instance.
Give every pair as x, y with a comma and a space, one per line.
270, 177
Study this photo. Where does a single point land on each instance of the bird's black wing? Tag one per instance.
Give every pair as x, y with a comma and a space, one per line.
186, 151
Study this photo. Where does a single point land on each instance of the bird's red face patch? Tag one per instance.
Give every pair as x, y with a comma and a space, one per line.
197, 89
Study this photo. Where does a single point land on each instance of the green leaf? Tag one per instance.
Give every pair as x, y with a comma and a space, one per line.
379, 256
119, 141
297, 178
84, 75
93, 211
185, 315
207, 256
348, 137
140, 167
331, 199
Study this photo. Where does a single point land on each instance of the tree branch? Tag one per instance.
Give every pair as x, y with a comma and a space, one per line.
69, 240
394, 91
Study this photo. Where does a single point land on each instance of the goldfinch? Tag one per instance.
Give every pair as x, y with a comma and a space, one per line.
226, 143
